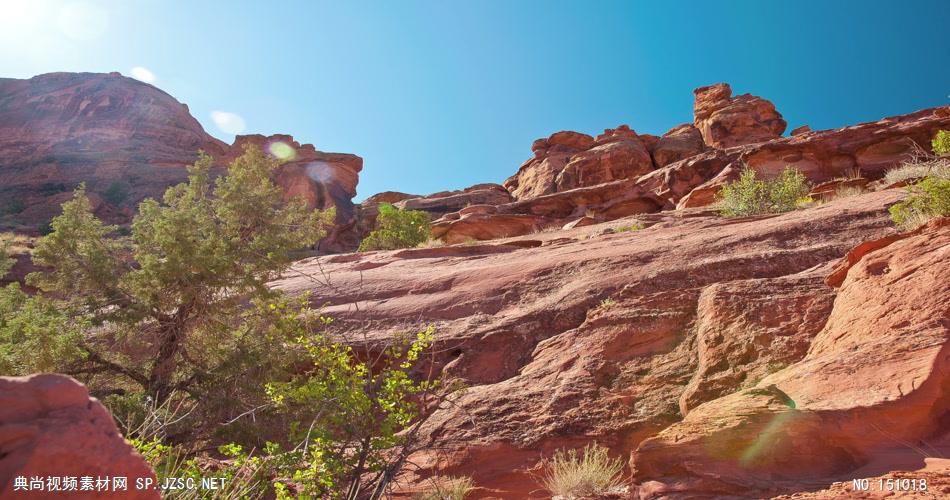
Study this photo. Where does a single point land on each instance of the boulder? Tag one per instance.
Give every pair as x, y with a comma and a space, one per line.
678, 143
50, 427
726, 121
616, 154
537, 176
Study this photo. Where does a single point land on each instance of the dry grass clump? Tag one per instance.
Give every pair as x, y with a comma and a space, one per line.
918, 169
636, 226
571, 475
431, 243
849, 191
448, 488
17, 243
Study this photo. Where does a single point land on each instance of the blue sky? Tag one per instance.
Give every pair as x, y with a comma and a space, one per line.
440, 95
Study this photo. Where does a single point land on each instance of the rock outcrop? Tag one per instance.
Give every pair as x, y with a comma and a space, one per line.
726, 121
128, 140
715, 328
51, 428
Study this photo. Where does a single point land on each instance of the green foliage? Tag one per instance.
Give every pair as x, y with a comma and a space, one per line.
592, 473
175, 291
750, 195
350, 413
35, 334
397, 228
941, 142
928, 199
116, 193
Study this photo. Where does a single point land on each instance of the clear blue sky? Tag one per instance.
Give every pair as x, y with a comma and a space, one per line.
444, 94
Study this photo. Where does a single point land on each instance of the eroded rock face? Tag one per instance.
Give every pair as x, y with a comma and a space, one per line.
617, 154
49, 426
726, 121
874, 377
520, 321
537, 176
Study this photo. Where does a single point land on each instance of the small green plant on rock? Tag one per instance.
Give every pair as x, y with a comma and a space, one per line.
750, 195
571, 475
396, 228
928, 199
941, 142
606, 303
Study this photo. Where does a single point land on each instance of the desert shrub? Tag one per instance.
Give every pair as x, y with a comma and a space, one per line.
750, 195
44, 228
12, 207
927, 199
849, 191
447, 488
606, 303
941, 142
116, 193
355, 423
918, 169
431, 243
570, 475
397, 228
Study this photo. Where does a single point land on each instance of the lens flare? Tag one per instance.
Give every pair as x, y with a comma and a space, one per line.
320, 172
227, 122
282, 151
143, 74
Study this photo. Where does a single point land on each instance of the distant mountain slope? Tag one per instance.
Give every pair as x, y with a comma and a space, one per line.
126, 140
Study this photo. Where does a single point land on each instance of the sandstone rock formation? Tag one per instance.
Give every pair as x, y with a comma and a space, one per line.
714, 330
678, 143
50, 427
130, 139
726, 121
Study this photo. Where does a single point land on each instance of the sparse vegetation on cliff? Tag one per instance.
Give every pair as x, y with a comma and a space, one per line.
592, 472
750, 195
397, 228
930, 197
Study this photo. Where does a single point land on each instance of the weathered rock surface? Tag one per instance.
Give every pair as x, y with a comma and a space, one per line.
714, 328
129, 138
678, 143
874, 377
726, 121
50, 427
616, 154
537, 176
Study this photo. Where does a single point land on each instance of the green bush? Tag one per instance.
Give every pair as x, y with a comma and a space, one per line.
928, 199
116, 193
750, 195
397, 228
941, 142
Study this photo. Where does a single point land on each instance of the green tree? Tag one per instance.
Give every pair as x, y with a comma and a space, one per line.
396, 228
169, 301
750, 195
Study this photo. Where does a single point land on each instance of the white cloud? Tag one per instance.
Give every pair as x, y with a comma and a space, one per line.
143, 74
227, 122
